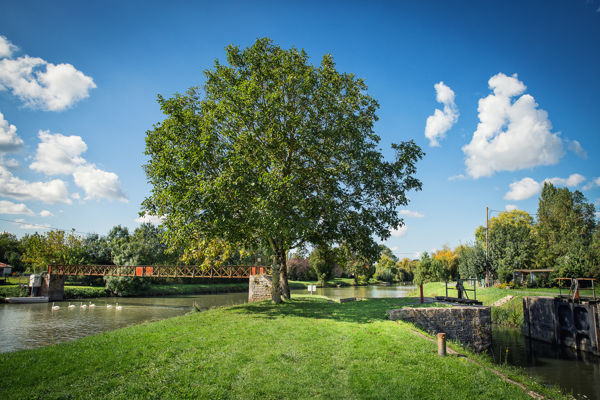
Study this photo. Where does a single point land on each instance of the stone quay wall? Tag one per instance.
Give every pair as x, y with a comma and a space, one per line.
469, 325
259, 288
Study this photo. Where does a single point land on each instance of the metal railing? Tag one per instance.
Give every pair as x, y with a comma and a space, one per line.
160, 271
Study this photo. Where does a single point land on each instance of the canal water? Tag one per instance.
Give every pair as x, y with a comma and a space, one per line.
26, 326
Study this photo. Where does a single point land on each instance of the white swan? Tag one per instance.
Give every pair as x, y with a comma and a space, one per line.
71, 306
118, 307
55, 307
108, 305
81, 305
91, 305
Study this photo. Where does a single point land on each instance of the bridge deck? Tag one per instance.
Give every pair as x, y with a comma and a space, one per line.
160, 271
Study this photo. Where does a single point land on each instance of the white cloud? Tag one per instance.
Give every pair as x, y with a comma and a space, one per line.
153, 219
8, 207
510, 135
440, 122
511, 207
575, 147
25, 225
523, 189
573, 180
58, 154
528, 187
40, 84
595, 182
98, 184
54, 191
46, 213
9, 140
76, 196
456, 177
410, 213
6, 47
400, 231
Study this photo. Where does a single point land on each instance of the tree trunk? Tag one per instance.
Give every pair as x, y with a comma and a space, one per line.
283, 276
275, 288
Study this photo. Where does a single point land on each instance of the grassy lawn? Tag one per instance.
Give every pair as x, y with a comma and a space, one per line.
305, 348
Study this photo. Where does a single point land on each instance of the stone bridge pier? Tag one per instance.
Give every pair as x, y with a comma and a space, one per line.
259, 287
53, 286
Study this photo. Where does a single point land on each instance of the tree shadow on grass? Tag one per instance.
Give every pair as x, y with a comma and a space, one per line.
361, 311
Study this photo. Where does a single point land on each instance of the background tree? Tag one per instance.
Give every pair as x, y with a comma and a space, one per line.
354, 264
322, 261
511, 242
54, 247
11, 251
385, 269
448, 260
276, 152
427, 270
565, 232
472, 262
406, 269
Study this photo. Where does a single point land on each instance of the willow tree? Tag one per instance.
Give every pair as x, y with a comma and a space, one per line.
275, 152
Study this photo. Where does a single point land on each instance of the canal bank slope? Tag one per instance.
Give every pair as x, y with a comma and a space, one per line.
305, 348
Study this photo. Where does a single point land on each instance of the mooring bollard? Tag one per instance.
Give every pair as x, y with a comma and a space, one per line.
441, 344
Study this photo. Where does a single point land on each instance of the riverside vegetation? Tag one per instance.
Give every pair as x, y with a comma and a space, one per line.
303, 348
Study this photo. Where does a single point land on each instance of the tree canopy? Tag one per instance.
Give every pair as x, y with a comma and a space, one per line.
275, 152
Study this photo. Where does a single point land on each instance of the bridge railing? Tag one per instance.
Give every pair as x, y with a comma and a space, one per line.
160, 271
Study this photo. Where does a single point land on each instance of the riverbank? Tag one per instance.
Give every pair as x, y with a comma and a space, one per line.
509, 314
304, 348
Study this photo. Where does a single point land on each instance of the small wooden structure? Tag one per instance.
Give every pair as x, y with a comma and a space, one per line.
529, 275
5, 270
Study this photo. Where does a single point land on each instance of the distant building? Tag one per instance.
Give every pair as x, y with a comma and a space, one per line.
5, 270
530, 275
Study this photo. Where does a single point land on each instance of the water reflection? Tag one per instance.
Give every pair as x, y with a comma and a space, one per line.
25, 326
575, 372
367, 292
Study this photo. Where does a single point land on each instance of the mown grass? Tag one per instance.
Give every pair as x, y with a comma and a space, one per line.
305, 348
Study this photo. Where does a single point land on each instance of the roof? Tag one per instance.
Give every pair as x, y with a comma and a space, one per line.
527, 271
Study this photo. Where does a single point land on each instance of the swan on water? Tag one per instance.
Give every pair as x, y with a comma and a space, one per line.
71, 305
81, 305
55, 307
91, 305
118, 307
108, 305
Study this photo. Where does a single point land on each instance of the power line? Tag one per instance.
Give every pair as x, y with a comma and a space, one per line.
45, 226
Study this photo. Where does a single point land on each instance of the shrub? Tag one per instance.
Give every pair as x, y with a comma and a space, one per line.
385, 275
126, 285
299, 270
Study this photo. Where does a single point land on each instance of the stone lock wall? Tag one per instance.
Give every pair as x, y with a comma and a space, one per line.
259, 288
470, 325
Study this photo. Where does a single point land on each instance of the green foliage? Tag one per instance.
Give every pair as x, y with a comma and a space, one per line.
386, 268
299, 269
565, 232
472, 262
126, 285
11, 251
54, 247
275, 152
13, 291
354, 264
428, 270
84, 292
406, 269
322, 261
144, 247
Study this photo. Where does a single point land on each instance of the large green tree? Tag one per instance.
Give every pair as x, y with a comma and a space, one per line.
565, 231
273, 151
511, 242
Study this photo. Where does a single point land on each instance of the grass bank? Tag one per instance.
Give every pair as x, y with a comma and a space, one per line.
305, 348
510, 313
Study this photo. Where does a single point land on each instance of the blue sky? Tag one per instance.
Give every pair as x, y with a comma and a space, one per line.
78, 86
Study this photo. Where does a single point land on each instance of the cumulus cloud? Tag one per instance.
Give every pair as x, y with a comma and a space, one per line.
59, 154
98, 184
573, 180
46, 213
400, 231
25, 225
40, 84
511, 135
575, 147
511, 207
8, 207
9, 140
440, 122
593, 183
410, 213
54, 191
6, 47
523, 189
528, 187
147, 218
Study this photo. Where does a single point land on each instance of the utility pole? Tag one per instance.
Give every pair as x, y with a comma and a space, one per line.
487, 246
